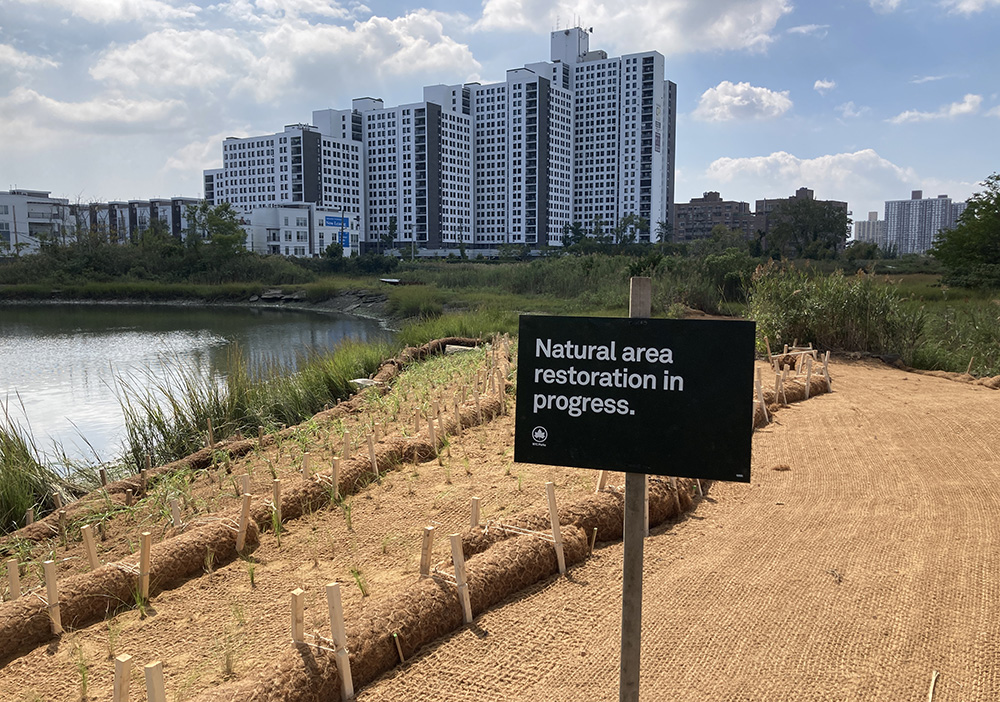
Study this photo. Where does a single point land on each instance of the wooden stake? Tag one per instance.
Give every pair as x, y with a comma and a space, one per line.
347, 446
677, 497
697, 484
29, 516
62, 525
298, 615
826, 371
276, 496
241, 536
930, 692
175, 512
88, 543
432, 435
128, 497
784, 396
399, 649
57, 500
371, 454
260, 435
154, 682
479, 411
760, 397
475, 512
335, 478
211, 434
458, 558
52, 593
104, 476
244, 483
336, 607
425, 551
602, 480
768, 345
593, 539
306, 467
435, 409
14, 578
550, 491
809, 372
145, 546
123, 676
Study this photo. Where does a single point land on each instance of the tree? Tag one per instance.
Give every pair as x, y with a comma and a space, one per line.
862, 251
807, 228
971, 251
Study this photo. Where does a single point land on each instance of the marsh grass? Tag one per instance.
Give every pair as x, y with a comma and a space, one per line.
856, 313
25, 481
169, 419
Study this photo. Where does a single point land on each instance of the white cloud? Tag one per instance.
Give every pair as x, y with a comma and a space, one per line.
673, 26
919, 80
884, 5
171, 57
809, 29
108, 11
860, 178
297, 8
823, 86
849, 110
969, 105
25, 111
995, 112
20, 61
969, 7
288, 56
195, 156
730, 101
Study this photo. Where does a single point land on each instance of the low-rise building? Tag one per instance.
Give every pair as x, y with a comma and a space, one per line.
696, 219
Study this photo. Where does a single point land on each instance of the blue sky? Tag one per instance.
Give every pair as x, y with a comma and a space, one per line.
860, 100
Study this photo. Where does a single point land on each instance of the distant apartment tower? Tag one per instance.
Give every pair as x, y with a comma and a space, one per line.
911, 226
765, 209
624, 117
871, 231
696, 219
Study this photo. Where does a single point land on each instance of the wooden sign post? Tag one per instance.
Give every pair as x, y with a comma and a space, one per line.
639, 306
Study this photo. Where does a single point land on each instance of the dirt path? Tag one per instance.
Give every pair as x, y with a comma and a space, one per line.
869, 564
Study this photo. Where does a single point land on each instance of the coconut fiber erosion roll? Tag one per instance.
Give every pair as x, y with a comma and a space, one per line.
426, 611
501, 565
89, 597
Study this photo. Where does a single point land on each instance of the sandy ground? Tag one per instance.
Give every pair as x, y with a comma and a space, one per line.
854, 575
868, 563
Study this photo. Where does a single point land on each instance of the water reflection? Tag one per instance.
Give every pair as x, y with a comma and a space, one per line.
60, 361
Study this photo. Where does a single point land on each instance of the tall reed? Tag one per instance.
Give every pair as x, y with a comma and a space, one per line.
169, 419
24, 480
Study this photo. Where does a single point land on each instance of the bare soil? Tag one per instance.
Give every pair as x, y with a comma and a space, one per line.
861, 558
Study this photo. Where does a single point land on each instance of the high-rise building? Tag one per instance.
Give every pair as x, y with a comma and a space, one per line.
871, 231
911, 226
580, 138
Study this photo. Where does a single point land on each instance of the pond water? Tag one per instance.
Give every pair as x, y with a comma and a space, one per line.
59, 362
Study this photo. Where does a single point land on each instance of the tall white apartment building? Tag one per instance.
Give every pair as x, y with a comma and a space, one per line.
580, 138
419, 176
911, 226
624, 118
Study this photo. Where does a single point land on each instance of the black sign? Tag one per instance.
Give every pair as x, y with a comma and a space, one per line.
658, 396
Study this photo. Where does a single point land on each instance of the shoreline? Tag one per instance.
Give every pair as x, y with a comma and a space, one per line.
360, 302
